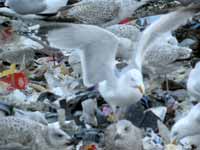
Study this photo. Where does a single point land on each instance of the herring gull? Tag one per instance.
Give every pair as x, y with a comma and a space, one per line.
98, 49
161, 57
101, 12
19, 134
123, 135
25, 7
187, 126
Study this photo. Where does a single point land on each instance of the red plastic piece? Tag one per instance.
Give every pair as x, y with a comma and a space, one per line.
125, 21
17, 81
90, 147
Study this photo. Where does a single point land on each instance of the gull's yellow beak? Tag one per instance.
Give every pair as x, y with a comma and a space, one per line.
141, 89
174, 142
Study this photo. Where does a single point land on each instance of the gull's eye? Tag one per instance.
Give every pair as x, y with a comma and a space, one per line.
132, 79
126, 128
59, 135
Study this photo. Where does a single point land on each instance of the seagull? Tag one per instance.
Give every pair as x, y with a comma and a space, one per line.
101, 12
193, 82
20, 134
123, 135
161, 57
42, 7
187, 126
98, 49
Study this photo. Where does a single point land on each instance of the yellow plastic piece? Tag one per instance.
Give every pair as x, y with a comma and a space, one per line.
112, 118
8, 72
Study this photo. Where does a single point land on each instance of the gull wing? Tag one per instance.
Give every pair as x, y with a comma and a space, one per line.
97, 46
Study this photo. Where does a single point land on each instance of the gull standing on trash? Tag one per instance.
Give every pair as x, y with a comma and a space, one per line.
123, 135
187, 126
161, 57
101, 12
193, 83
43, 7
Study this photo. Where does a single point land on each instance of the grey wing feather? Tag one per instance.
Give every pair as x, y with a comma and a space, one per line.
97, 49
98, 62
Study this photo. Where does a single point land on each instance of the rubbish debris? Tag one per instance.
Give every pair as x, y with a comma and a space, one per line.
99, 75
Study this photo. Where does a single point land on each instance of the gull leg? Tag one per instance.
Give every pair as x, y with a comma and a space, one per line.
120, 113
112, 22
167, 83
145, 102
115, 115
